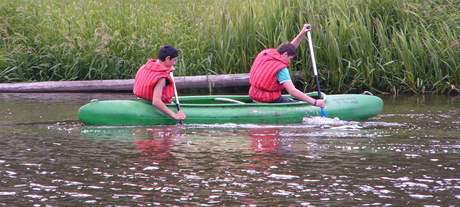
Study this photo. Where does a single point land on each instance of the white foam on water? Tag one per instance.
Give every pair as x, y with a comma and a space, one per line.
251, 172
420, 196
295, 186
366, 188
411, 185
283, 193
370, 124
233, 126
133, 196
412, 155
314, 127
214, 196
326, 121
95, 187
311, 181
72, 183
307, 123
240, 194
283, 177
78, 195
151, 168
40, 186
7, 193
193, 177
338, 133
33, 196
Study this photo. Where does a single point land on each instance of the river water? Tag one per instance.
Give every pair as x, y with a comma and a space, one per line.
407, 156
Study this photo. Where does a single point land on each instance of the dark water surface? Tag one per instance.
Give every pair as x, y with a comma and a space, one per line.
407, 156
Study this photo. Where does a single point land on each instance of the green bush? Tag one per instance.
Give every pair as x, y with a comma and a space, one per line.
379, 45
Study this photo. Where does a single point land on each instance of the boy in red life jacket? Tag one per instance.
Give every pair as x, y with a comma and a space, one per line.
269, 74
154, 83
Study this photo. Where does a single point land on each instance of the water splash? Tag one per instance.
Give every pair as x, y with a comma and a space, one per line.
317, 121
307, 123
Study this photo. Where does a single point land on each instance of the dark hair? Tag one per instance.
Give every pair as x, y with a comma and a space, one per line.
287, 47
166, 51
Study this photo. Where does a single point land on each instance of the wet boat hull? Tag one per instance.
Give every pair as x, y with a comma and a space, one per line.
218, 109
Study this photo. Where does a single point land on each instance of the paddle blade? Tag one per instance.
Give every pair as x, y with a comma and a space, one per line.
323, 112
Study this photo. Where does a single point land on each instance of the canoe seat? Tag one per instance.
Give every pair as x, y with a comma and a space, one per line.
229, 100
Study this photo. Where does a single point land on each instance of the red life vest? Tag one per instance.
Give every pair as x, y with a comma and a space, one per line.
147, 77
262, 77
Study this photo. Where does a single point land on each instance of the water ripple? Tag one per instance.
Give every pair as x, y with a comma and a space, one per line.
7, 193
283, 177
391, 160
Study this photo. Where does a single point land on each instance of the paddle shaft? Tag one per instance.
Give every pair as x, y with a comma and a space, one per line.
315, 71
175, 94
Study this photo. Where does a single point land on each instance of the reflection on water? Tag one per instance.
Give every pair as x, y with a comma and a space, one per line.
408, 156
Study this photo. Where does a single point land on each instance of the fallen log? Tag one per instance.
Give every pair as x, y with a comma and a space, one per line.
182, 82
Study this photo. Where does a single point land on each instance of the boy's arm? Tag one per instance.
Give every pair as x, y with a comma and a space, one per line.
290, 88
158, 103
297, 39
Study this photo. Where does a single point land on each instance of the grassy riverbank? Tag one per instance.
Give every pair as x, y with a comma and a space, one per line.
380, 45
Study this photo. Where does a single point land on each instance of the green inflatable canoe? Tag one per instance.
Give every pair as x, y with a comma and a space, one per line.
237, 109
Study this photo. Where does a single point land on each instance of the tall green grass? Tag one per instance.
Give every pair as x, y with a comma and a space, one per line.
393, 46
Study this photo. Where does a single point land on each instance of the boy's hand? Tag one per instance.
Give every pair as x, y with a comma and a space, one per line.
180, 115
306, 28
320, 103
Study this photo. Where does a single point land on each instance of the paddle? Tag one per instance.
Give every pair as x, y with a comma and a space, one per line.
175, 94
315, 72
